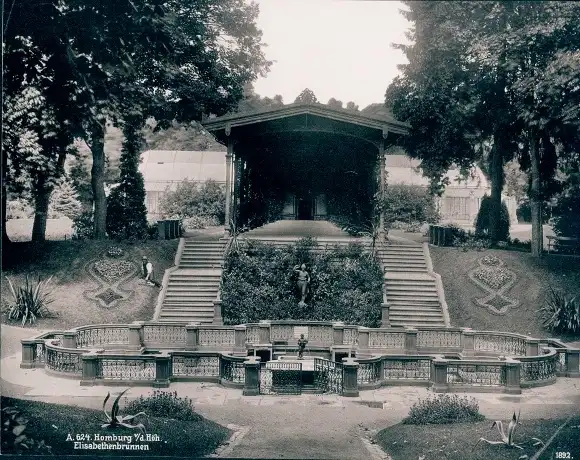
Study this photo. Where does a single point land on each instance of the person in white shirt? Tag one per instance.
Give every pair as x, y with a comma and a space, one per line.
147, 269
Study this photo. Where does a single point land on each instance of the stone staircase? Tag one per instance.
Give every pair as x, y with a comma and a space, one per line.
411, 290
194, 286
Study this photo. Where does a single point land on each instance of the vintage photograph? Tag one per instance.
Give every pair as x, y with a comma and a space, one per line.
290, 229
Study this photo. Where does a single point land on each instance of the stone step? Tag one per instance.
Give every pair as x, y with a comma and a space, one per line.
405, 313
417, 324
181, 309
188, 317
190, 296
209, 265
191, 287
401, 256
418, 295
404, 288
197, 276
201, 252
406, 269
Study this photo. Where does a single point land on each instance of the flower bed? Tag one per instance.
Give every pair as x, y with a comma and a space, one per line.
115, 251
495, 277
113, 270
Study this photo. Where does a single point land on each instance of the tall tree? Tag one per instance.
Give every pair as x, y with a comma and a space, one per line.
176, 59
306, 96
126, 211
352, 106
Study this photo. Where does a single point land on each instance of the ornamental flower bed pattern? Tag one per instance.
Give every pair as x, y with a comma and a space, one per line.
494, 278
115, 251
113, 270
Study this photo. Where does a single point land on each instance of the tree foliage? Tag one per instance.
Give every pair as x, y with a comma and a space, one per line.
495, 74
482, 221
173, 60
126, 211
64, 201
191, 199
306, 96
334, 103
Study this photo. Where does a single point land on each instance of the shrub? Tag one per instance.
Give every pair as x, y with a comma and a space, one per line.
561, 312
15, 439
165, 404
444, 409
482, 222
83, 226
30, 300
19, 209
64, 201
410, 203
567, 209
191, 199
153, 231
198, 222
259, 283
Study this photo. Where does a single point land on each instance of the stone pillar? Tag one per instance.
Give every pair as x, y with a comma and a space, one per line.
468, 341
363, 338
382, 186
90, 368
264, 332
28, 354
162, 371
229, 157
69, 339
135, 337
512, 376
236, 189
573, 363
439, 377
532, 347
240, 338
338, 333
410, 341
350, 380
192, 340
385, 315
217, 313
252, 376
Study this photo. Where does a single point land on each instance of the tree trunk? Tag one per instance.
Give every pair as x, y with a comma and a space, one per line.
5, 238
98, 180
41, 202
535, 195
497, 178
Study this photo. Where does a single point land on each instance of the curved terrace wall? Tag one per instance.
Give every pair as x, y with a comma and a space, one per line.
447, 359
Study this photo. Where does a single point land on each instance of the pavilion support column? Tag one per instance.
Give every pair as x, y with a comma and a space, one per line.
229, 157
383, 179
236, 191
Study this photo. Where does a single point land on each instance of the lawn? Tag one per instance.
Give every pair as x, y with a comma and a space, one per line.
459, 441
52, 423
56, 229
534, 277
66, 262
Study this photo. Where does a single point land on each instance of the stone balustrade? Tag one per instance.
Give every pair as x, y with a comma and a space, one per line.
448, 359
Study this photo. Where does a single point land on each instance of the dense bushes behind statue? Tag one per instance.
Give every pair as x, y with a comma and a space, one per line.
260, 283
482, 222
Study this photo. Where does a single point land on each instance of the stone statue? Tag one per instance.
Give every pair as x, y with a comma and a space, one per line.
303, 282
301, 346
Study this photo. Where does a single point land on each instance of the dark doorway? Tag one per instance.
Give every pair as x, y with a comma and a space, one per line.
305, 209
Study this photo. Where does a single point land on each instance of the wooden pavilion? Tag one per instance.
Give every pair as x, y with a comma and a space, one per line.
304, 161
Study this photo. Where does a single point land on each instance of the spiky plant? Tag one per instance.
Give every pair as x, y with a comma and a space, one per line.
115, 420
508, 439
30, 301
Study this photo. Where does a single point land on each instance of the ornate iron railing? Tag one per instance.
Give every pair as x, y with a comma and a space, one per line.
509, 345
164, 334
279, 377
438, 339
63, 360
232, 369
369, 372
407, 368
537, 369
216, 338
386, 339
472, 374
252, 334
195, 366
126, 368
110, 334
328, 376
